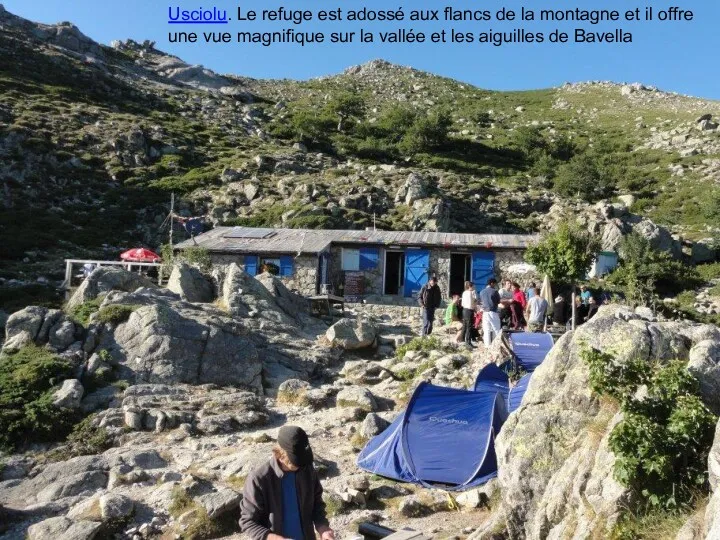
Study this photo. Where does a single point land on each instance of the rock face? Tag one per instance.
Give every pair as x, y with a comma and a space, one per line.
106, 279
190, 284
41, 326
350, 335
555, 466
712, 513
168, 342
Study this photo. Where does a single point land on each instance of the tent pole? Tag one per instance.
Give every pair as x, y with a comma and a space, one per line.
573, 309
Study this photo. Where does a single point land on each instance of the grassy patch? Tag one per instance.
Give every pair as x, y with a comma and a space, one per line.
180, 502
81, 313
656, 525
424, 345
27, 381
116, 313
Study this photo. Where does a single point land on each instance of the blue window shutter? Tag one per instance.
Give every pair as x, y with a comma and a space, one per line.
369, 258
286, 265
251, 264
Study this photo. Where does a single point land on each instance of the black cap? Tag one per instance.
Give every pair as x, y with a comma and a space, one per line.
295, 442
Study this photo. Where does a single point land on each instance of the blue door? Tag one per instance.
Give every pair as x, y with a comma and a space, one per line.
417, 266
483, 268
251, 264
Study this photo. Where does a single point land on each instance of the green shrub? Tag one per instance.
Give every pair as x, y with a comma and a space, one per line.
27, 414
81, 313
645, 272
565, 255
115, 313
661, 446
426, 344
86, 439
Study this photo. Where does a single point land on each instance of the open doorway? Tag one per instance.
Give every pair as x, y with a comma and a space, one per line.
394, 272
459, 272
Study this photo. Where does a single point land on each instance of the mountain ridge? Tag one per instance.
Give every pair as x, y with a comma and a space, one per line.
95, 138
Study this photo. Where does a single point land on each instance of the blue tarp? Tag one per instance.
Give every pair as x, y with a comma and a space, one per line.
445, 436
530, 348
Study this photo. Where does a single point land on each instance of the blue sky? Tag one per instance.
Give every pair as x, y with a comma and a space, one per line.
677, 56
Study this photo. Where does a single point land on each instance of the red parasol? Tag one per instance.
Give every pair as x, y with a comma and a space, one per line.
140, 255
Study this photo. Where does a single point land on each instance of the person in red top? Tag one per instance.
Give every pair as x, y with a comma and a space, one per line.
517, 308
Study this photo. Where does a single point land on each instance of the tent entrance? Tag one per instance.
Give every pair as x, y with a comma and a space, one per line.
460, 264
394, 281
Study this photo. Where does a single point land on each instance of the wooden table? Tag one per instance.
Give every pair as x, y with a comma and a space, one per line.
323, 304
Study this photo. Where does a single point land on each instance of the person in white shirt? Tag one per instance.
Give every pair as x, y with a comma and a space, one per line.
537, 308
469, 305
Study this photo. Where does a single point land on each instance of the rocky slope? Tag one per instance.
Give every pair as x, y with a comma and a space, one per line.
207, 385
93, 139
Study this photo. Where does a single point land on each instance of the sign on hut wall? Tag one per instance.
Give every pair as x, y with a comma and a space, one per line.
354, 286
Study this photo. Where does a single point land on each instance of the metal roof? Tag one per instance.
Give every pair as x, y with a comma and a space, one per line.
313, 241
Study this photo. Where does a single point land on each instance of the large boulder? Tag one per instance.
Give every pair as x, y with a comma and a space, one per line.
704, 251
168, 343
40, 326
190, 284
711, 524
106, 279
292, 304
69, 395
62, 528
246, 296
348, 334
555, 467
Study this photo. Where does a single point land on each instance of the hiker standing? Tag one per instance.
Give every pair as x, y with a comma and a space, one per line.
282, 499
537, 307
585, 295
490, 299
469, 305
430, 299
453, 317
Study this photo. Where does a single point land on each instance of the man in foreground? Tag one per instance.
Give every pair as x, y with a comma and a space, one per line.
430, 299
490, 299
282, 498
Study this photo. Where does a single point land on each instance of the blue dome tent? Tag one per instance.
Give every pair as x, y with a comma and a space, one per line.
446, 436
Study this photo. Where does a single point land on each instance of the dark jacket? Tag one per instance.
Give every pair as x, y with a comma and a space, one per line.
261, 506
560, 312
430, 297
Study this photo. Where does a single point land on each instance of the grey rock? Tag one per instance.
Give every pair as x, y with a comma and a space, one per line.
162, 343
555, 467
705, 365
23, 327
106, 279
219, 502
190, 283
373, 425
416, 188
350, 335
69, 395
714, 462
293, 391
356, 396
114, 506
62, 528
412, 506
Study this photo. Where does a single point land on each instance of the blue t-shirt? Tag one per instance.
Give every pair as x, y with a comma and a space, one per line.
292, 526
529, 293
489, 298
585, 296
